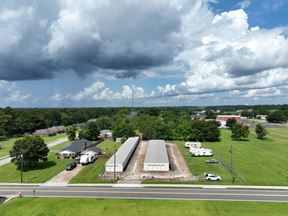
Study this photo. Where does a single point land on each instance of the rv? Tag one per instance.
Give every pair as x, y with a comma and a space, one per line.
201, 152
87, 158
191, 145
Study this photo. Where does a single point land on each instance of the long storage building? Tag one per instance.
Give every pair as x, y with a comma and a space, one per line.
122, 156
156, 158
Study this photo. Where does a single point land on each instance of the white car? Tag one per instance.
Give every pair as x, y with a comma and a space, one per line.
212, 177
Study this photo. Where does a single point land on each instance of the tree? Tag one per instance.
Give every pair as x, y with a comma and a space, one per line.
277, 116
90, 131
260, 131
29, 150
123, 129
71, 132
239, 131
231, 122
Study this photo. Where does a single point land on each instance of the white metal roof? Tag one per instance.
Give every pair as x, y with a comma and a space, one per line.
156, 152
124, 151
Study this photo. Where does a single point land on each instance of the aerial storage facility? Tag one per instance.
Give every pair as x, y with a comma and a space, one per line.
156, 158
122, 156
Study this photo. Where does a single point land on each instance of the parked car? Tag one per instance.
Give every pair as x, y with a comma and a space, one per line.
212, 161
212, 177
71, 166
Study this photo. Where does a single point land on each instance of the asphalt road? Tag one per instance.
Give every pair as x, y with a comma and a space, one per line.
149, 193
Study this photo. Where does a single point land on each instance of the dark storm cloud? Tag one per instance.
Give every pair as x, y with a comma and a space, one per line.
47, 37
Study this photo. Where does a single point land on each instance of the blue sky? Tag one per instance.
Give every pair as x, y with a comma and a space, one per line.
62, 53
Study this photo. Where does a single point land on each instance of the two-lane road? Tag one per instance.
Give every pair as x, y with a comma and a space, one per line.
149, 193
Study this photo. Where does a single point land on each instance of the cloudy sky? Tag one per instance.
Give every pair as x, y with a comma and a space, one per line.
67, 53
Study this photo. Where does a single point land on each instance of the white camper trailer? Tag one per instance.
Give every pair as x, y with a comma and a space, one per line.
191, 145
87, 158
201, 152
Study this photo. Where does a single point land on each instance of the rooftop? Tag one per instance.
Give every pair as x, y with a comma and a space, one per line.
156, 152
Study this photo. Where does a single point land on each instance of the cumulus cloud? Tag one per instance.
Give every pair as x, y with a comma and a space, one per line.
10, 93
213, 53
244, 4
99, 91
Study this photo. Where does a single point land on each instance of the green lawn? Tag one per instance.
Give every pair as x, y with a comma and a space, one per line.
119, 207
8, 143
256, 162
92, 173
108, 147
49, 139
44, 172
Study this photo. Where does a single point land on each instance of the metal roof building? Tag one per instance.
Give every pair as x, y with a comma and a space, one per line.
156, 158
122, 156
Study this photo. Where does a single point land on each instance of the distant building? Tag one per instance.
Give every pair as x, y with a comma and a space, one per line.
223, 119
262, 117
106, 134
50, 131
199, 116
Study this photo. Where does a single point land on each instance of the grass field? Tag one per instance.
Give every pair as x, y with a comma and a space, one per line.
44, 172
108, 147
8, 143
92, 173
256, 162
118, 207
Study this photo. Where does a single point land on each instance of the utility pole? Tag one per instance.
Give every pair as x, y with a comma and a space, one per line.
21, 175
231, 162
114, 161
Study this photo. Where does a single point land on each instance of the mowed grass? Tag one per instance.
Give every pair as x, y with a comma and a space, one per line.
126, 207
108, 147
8, 143
255, 162
44, 172
93, 172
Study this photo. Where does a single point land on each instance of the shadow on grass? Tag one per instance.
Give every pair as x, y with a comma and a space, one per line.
41, 165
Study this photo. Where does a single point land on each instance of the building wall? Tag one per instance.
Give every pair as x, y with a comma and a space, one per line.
156, 167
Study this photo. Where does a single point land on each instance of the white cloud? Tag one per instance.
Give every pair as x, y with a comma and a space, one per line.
244, 4
10, 94
98, 91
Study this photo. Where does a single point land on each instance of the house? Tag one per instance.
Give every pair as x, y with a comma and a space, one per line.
223, 119
262, 117
94, 149
104, 134
75, 149
199, 116
42, 132
50, 131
